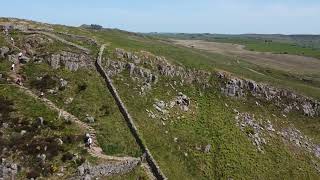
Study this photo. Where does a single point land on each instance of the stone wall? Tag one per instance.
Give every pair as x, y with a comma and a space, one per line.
86, 170
53, 36
149, 158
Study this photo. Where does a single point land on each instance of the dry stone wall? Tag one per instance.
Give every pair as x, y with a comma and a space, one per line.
148, 156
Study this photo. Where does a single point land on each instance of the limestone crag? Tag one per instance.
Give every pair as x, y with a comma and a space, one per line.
31, 43
285, 99
148, 68
70, 61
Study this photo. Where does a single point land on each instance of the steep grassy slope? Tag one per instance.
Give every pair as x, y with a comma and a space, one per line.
91, 97
86, 94
175, 142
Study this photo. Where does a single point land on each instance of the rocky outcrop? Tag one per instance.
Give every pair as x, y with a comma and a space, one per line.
8, 170
4, 51
70, 61
31, 43
285, 99
149, 66
88, 171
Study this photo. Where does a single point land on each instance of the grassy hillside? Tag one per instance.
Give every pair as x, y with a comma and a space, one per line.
193, 58
232, 154
204, 142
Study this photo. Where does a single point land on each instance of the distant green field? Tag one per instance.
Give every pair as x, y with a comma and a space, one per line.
306, 45
272, 46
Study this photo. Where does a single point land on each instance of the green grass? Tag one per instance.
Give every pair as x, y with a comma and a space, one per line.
198, 59
113, 133
232, 155
23, 117
138, 173
274, 46
192, 58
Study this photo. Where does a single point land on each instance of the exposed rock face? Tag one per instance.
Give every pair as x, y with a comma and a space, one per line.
309, 110
4, 51
158, 66
150, 67
8, 170
233, 88
70, 61
32, 42
183, 101
285, 99
87, 171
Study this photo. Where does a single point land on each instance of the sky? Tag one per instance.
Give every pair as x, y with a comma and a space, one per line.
187, 16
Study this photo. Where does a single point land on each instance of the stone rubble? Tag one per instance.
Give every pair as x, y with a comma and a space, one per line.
254, 130
88, 171
295, 136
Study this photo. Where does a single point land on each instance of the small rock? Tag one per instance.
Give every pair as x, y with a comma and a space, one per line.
68, 101
207, 149
60, 141
90, 119
175, 139
40, 121
5, 125
42, 157
62, 84
23, 132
